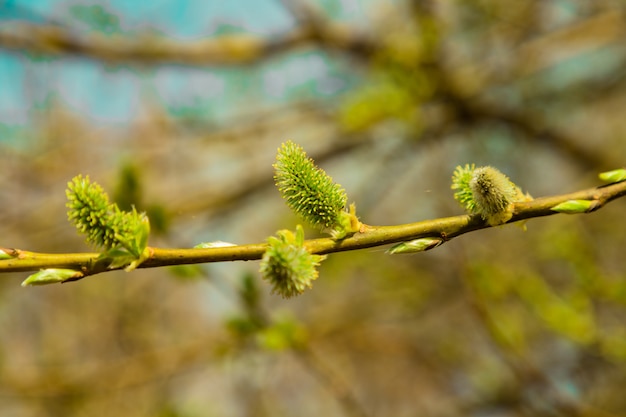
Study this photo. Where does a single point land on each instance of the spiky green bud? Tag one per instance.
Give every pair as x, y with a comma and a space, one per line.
90, 211
287, 265
104, 224
461, 184
311, 193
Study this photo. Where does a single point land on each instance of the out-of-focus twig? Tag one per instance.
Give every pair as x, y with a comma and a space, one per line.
233, 49
476, 111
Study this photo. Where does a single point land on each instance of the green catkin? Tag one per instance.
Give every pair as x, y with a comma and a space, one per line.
493, 194
311, 193
486, 191
104, 224
90, 211
308, 190
287, 265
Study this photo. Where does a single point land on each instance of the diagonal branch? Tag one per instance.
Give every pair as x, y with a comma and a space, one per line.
370, 236
233, 49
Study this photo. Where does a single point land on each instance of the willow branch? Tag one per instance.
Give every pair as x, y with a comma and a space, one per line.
370, 236
533, 128
234, 49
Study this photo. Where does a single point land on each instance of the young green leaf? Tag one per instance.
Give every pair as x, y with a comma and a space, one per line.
417, 245
574, 206
51, 276
6, 253
611, 177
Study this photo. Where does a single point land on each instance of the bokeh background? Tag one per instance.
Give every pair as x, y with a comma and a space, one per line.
178, 107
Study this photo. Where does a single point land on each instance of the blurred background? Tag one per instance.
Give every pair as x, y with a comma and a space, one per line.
178, 107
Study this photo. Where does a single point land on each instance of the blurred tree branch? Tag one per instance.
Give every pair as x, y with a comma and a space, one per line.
475, 111
233, 49
313, 28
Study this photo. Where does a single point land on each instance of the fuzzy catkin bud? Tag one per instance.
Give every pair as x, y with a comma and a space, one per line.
486, 191
287, 265
493, 194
